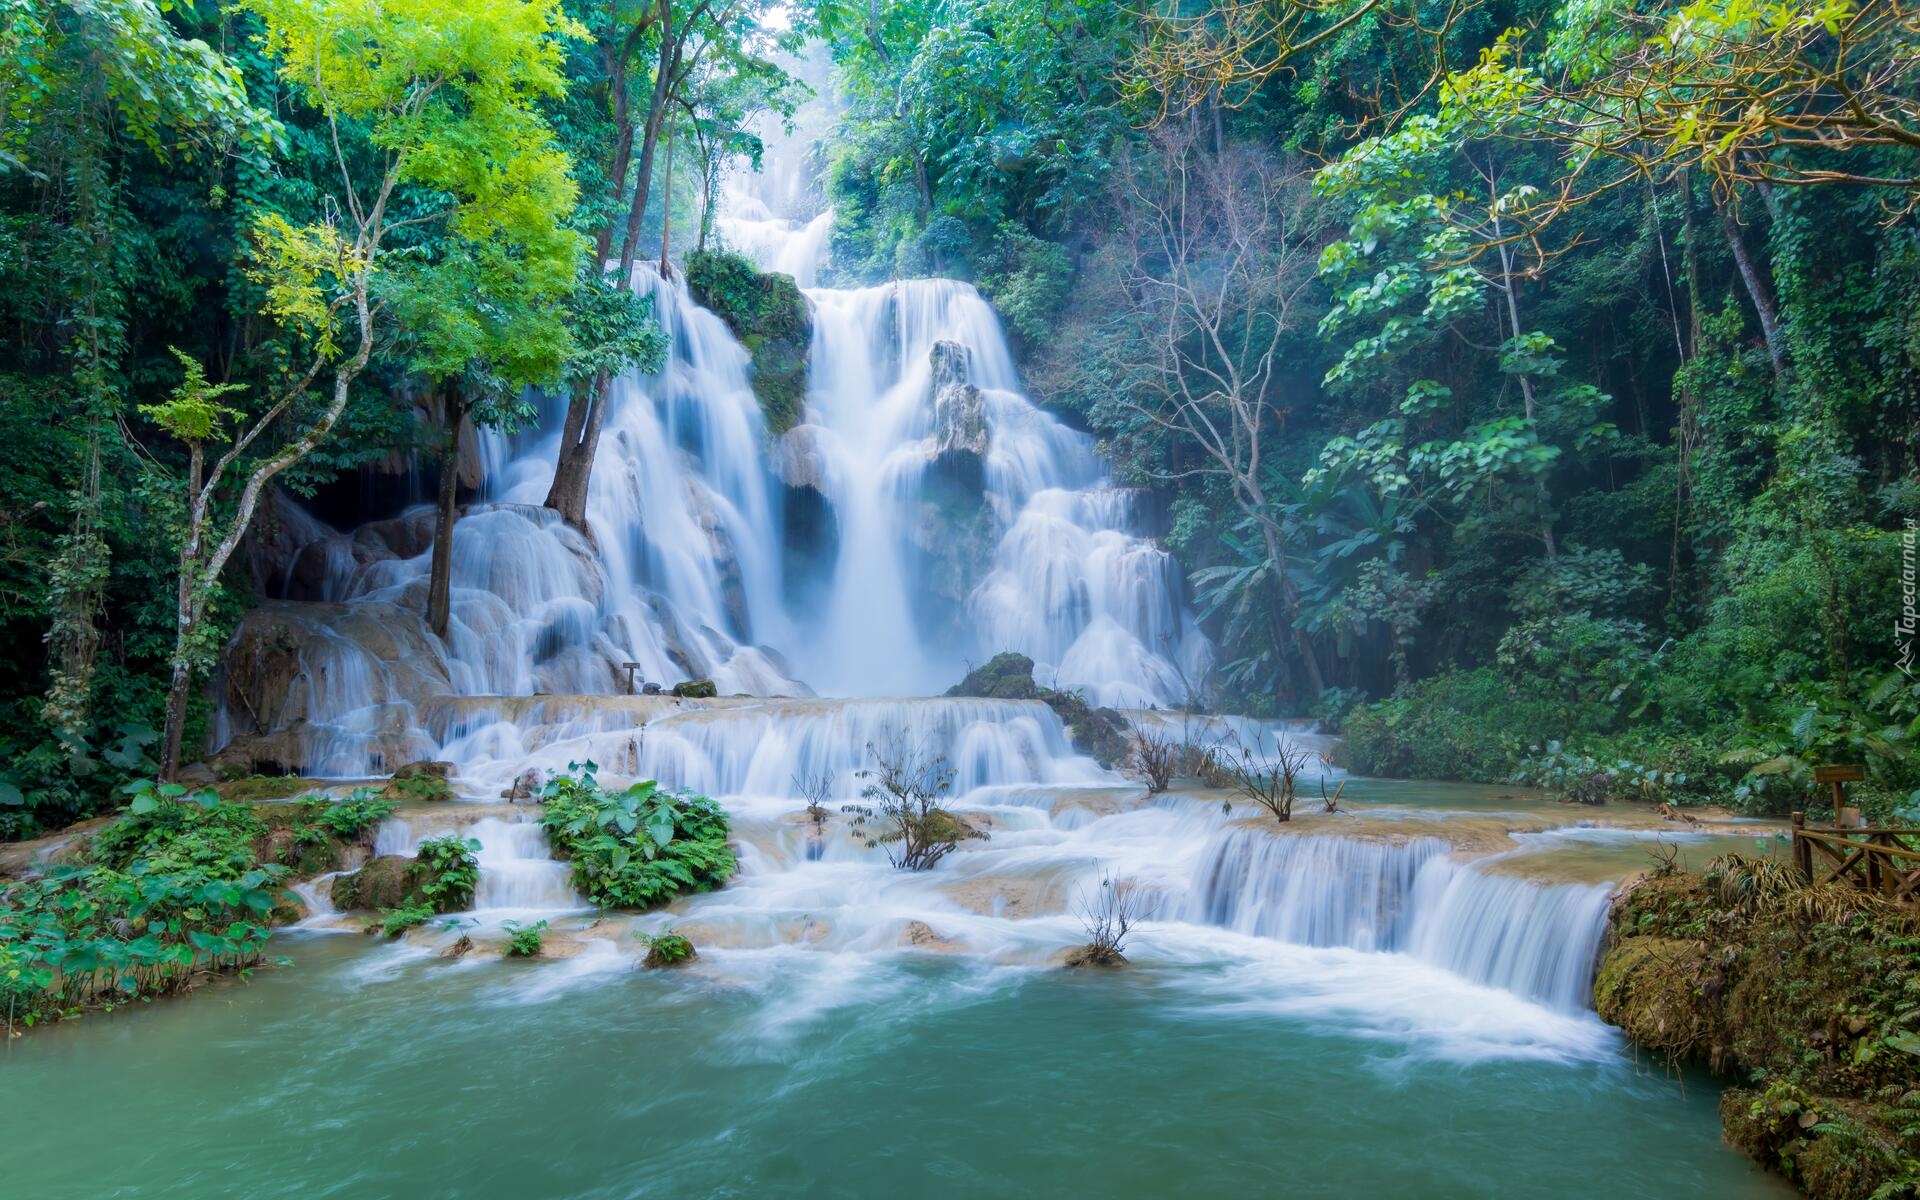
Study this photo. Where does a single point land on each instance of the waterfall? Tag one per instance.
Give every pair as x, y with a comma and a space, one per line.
1535, 940
967, 521
833, 581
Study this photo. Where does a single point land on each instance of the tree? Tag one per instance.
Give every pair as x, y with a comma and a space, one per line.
445, 96
904, 809
84, 83
681, 35
1218, 267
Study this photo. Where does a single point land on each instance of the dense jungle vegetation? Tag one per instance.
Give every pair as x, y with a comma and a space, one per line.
1530, 388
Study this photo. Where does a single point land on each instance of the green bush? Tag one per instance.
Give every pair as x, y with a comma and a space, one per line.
170, 891
1468, 725
524, 941
450, 871
638, 848
348, 819
392, 922
667, 948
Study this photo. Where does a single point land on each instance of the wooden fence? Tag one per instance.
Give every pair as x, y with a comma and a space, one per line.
1883, 861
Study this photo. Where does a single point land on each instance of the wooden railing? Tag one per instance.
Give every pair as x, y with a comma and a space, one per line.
1883, 861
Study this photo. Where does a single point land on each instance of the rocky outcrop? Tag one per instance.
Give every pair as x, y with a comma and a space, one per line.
695, 689
386, 882
1100, 733
769, 315
424, 780
799, 458
1801, 994
1006, 676
959, 410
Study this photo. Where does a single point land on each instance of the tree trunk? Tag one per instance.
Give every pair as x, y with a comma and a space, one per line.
666, 207
179, 690
1757, 290
580, 436
440, 577
579, 439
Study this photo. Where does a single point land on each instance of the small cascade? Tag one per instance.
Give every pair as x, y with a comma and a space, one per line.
518, 872
1536, 940
1532, 939
1312, 891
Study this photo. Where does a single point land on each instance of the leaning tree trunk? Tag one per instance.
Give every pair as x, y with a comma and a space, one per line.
446, 512
580, 437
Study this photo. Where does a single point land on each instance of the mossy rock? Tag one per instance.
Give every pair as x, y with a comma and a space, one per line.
1005, 676
1091, 955
1102, 734
420, 782
1651, 988
696, 689
769, 315
389, 881
264, 787
670, 950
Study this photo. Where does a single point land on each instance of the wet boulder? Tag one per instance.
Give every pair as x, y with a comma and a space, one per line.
424, 780
386, 882
695, 689
959, 409
1005, 676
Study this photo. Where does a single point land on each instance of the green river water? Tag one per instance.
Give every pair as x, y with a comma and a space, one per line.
367, 1070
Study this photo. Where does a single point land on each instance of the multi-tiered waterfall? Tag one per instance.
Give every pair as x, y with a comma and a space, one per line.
947, 518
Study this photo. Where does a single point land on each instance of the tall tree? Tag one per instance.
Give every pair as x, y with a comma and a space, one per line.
430, 102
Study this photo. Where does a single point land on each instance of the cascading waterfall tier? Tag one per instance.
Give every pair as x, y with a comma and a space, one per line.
1536, 940
968, 521
948, 518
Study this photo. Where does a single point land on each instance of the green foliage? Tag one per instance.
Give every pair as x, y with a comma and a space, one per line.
193, 412
173, 889
1468, 725
638, 848
666, 948
347, 820
769, 315
450, 871
392, 922
523, 941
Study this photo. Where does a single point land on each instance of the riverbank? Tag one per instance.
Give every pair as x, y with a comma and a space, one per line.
1806, 997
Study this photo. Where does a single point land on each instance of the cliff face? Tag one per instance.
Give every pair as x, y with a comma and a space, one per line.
1806, 997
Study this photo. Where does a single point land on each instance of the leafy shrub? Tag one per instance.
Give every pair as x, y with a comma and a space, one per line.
638, 848
1467, 725
451, 871
667, 948
349, 819
903, 810
393, 922
170, 828
524, 941
1591, 779
171, 890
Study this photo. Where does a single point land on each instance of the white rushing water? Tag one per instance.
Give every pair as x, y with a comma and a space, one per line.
962, 520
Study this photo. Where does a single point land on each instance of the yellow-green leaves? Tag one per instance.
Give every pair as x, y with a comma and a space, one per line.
445, 94
302, 269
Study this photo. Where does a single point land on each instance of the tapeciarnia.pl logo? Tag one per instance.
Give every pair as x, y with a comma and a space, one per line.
1903, 626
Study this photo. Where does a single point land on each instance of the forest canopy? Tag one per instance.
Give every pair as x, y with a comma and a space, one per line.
1528, 387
